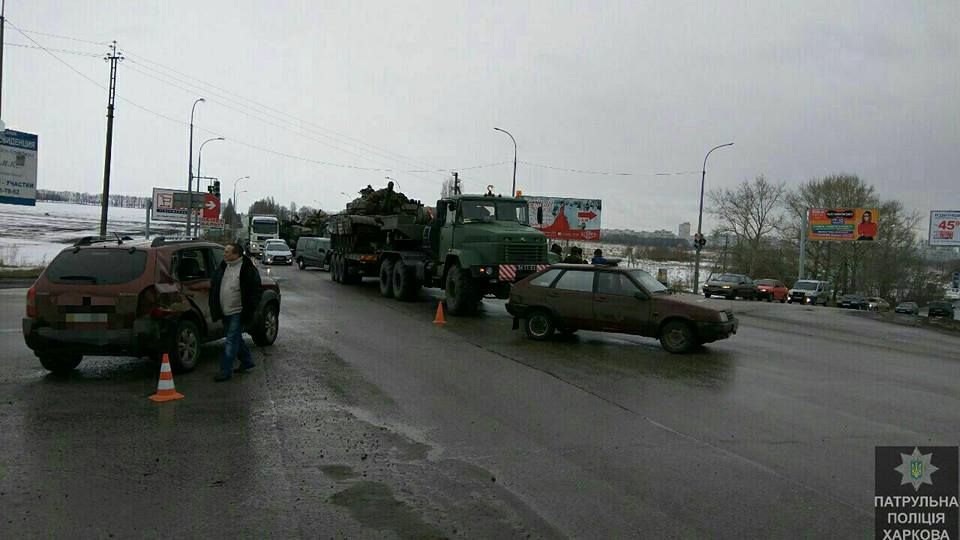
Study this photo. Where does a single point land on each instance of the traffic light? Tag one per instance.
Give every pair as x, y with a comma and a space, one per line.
699, 240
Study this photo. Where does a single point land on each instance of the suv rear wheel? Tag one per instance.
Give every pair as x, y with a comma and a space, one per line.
677, 337
60, 364
186, 347
267, 326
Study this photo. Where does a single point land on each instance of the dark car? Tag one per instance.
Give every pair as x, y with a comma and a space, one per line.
569, 297
731, 286
940, 308
853, 301
910, 308
313, 251
771, 290
136, 299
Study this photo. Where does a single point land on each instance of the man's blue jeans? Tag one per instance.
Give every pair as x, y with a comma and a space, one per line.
234, 347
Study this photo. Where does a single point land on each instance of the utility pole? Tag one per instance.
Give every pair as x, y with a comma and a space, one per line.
113, 58
3, 21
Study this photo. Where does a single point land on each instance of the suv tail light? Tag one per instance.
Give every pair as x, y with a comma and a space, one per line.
32, 303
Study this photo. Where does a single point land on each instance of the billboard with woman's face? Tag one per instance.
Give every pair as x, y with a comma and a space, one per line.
857, 224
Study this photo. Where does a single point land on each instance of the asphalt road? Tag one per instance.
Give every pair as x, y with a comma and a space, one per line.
367, 420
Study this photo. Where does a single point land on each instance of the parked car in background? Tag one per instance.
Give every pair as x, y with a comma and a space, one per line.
116, 298
569, 297
940, 308
731, 286
878, 304
910, 308
276, 252
809, 291
853, 301
313, 251
771, 289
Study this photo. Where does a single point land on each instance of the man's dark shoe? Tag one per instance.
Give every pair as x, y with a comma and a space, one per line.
244, 369
222, 377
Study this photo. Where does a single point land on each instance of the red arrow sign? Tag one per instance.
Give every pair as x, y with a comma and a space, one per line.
586, 215
211, 207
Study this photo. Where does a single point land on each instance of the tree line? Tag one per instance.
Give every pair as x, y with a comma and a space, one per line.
74, 197
763, 221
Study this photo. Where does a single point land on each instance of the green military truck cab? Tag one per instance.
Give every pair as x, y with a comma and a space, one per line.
470, 246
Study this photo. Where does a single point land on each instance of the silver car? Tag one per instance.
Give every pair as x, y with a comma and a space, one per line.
276, 252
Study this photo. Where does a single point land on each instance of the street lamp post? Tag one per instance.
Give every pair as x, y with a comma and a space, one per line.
513, 192
190, 167
235, 205
200, 173
698, 244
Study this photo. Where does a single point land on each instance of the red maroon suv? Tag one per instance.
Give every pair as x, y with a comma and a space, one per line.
110, 297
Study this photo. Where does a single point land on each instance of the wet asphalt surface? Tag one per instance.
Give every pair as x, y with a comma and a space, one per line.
366, 420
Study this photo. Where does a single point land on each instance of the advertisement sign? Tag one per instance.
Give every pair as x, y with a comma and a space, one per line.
18, 168
847, 224
566, 219
171, 205
945, 228
211, 207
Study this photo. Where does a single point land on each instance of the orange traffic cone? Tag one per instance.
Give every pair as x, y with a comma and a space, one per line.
165, 388
439, 320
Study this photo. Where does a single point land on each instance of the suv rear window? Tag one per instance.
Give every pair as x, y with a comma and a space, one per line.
97, 266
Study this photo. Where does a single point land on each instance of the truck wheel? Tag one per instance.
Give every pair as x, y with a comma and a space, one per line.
461, 292
351, 273
386, 278
405, 284
267, 326
538, 325
677, 337
60, 364
337, 268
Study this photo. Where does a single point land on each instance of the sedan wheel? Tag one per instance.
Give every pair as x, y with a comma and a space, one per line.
539, 325
677, 337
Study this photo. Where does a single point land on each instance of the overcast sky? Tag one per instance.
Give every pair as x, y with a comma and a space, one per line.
804, 89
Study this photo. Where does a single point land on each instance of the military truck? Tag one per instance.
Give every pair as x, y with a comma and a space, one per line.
471, 246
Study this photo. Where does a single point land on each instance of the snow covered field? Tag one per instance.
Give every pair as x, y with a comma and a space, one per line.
33, 235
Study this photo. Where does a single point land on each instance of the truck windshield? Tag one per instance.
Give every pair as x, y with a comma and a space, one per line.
265, 227
476, 211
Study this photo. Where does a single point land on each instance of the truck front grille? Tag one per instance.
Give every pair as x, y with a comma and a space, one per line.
523, 254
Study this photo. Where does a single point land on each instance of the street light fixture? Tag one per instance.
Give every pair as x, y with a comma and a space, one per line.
199, 172
698, 242
513, 192
190, 167
235, 205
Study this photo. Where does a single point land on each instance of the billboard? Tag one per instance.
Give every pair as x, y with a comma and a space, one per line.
846, 224
18, 168
171, 205
945, 228
566, 219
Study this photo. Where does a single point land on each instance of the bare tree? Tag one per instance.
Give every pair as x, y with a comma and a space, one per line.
749, 213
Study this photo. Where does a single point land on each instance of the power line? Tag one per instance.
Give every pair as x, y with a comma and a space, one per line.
61, 36
268, 122
382, 151
65, 51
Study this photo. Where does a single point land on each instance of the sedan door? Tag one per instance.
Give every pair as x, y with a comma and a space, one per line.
617, 307
571, 299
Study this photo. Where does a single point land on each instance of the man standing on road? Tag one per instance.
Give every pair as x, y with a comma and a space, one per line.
234, 297
598, 258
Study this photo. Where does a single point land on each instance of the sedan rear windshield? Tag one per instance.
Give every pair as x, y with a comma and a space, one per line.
766, 282
97, 266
